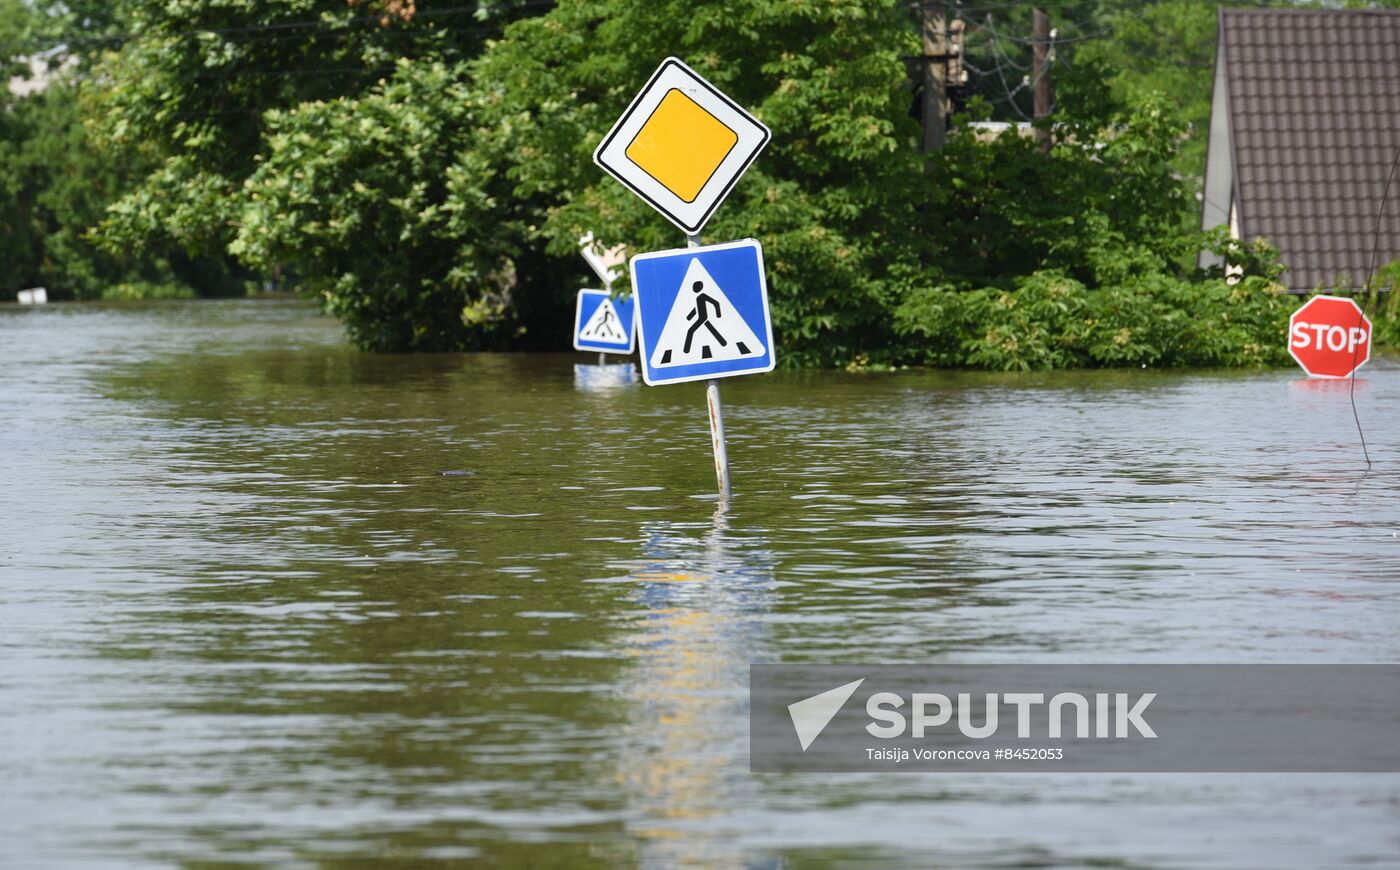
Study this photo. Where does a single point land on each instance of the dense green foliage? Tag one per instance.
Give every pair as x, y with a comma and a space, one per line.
56, 180
381, 209
466, 174
1382, 304
838, 196
425, 168
1052, 321
202, 79
1166, 49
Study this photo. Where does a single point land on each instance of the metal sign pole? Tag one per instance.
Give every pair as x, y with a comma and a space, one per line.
716, 407
717, 438
607, 287
603, 357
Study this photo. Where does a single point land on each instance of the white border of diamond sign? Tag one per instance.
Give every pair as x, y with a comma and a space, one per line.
611, 155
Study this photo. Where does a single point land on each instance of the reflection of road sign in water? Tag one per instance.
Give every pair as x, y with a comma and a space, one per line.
703, 313
601, 378
603, 323
681, 145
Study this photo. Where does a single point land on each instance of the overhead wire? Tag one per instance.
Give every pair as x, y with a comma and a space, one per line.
1370, 274
981, 20
1003, 62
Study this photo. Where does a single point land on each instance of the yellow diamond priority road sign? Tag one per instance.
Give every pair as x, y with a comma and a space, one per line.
681, 145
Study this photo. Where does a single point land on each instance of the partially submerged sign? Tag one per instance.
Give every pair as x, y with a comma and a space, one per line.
681, 145
1330, 337
702, 313
604, 323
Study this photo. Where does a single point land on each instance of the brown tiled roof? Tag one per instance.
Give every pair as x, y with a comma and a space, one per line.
1314, 124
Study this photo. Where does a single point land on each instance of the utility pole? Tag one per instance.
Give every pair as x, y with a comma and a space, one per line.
935, 109
1044, 96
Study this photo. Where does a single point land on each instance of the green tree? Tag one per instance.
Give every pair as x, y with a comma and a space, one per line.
468, 176
432, 190
1165, 49
383, 209
198, 80
838, 196
464, 175
55, 179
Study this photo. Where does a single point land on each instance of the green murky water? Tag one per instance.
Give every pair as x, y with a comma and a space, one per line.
244, 617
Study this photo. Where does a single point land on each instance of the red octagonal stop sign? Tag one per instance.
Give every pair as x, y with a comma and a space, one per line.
1329, 337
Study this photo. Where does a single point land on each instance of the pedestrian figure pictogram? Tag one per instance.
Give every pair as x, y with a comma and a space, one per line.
604, 325
701, 319
703, 325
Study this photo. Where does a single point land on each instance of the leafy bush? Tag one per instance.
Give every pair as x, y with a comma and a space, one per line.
55, 181
1382, 304
130, 291
365, 202
1053, 321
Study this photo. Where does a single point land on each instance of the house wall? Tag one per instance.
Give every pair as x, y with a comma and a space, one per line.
1217, 200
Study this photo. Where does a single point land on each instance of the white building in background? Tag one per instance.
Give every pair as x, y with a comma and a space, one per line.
42, 72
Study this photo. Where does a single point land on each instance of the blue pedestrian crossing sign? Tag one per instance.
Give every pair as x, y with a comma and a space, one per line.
702, 313
603, 322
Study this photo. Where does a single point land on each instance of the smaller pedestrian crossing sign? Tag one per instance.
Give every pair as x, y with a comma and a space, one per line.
603, 322
702, 313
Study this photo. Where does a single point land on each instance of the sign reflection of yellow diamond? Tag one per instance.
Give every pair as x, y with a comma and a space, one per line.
681, 145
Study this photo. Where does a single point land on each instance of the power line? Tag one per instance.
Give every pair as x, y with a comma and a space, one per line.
329, 70
1370, 273
987, 26
995, 41
1006, 56
1009, 97
1002, 60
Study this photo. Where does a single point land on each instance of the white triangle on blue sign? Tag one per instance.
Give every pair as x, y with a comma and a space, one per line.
604, 326
703, 325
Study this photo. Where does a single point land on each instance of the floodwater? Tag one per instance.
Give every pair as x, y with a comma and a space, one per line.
244, 617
